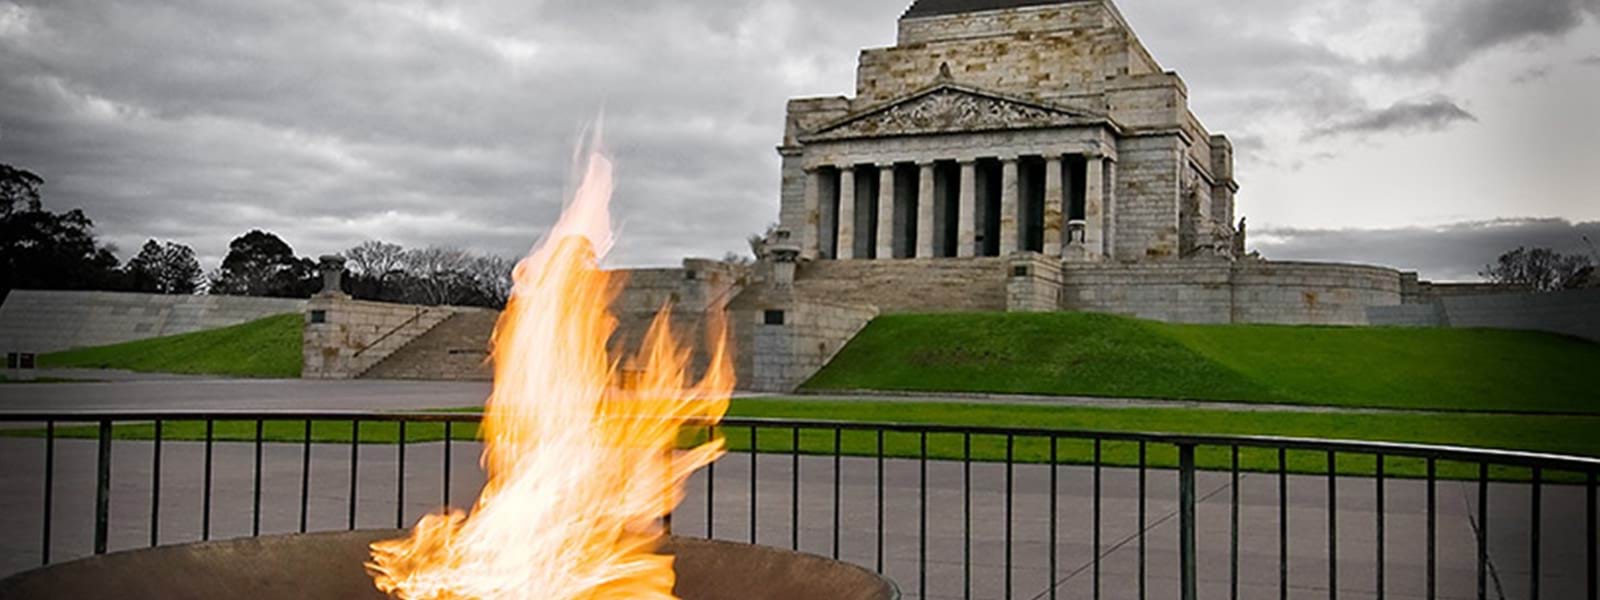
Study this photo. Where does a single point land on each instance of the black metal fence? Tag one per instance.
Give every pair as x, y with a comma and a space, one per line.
852, 489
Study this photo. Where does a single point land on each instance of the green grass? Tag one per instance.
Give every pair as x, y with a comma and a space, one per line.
267, 348
1545, 433
1109, 356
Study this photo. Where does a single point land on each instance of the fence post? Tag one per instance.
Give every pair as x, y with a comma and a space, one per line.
102, 492
1186, 524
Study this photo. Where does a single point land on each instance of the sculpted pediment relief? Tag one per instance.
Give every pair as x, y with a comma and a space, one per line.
947, 109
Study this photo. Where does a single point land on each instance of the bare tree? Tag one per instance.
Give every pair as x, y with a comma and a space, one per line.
374, 258
439, 274
1541, 269
490, 276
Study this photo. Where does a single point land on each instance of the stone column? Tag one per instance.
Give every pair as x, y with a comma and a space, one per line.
925, 212
1054, 207
811, 231
885, 211
1094, 207
847, 213
1009, 242
967, 211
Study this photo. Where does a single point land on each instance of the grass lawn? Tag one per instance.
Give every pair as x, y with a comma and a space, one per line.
1109, 356
1547, 433
267, 348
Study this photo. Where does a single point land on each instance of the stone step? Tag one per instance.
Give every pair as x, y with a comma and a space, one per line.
455, 349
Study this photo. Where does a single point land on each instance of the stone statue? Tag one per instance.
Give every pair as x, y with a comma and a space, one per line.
1238, 240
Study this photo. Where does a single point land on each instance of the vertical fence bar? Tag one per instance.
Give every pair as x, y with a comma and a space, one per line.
255, 493
400, 480
1143, 464
1186, 523
305, 476
50, 488
1333, 525
1096, 559
1536, 525
447, 444
922, 516
794, 488
838, 480
1010, 486
880, 501
205, 510
711, 488
1378, 492
1593, 547
966, 516
1433, 526
754, 439
1283, 524
355, 464
1483, 531
1053, 459
1233, 526
155, 486
102, 489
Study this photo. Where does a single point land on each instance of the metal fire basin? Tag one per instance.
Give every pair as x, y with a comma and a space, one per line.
329, 565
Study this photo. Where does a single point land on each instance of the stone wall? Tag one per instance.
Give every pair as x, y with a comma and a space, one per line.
344, 338
1226, 292
1033, 283
909, 285
1298, 293
1148, 185
1572, 312
778, 345
39, 322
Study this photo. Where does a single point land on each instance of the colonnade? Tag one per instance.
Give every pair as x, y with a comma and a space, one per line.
980, 206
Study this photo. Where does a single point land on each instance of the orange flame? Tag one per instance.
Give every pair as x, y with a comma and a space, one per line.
581, 463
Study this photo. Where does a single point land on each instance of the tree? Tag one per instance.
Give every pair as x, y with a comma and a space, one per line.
262, 264
19, 190
169, 268
1540, 269
374, 259
44, 250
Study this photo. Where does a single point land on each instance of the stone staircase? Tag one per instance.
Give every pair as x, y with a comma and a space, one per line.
455, 349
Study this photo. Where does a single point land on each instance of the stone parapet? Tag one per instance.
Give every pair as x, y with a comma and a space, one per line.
1292, 293
1033, 283
343, 338
37, 321
779, 343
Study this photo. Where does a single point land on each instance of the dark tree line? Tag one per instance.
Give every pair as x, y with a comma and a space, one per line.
1542, 270
40, 249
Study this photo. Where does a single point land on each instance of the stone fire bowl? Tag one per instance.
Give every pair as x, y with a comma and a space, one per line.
329, 565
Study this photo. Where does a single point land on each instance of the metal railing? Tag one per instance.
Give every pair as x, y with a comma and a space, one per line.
817, 454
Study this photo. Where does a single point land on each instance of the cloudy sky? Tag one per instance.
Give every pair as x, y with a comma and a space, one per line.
1427, 134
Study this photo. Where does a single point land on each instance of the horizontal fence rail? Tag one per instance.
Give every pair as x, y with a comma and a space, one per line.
947, 511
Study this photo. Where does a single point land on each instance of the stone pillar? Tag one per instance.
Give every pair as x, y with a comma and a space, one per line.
811, 231
1094, 207
925, 212
332, 268
967, 211
847, 213
1054, 205
885, 211
1009, 202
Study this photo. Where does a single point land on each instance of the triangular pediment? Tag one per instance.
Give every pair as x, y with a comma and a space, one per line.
949, 108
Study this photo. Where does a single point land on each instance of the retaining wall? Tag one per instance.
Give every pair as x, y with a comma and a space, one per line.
49, 321
1573, 312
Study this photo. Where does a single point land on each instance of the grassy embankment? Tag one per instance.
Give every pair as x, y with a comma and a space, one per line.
1107, 356
267, 348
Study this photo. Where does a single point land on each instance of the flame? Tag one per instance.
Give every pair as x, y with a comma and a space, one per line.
581, 463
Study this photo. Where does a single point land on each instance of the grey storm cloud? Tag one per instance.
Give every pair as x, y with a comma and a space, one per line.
1465, 28
423, 122
1401, 117
1452, 252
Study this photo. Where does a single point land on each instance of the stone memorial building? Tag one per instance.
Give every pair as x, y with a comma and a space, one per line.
1003, 155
